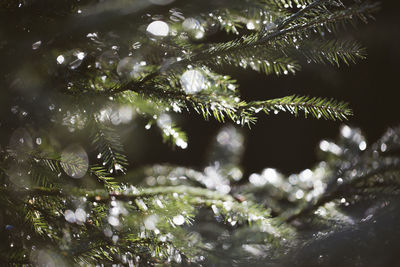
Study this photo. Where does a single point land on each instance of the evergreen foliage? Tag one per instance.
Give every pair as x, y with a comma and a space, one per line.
63, 206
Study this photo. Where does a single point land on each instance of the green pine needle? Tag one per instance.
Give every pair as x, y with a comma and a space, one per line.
314, 106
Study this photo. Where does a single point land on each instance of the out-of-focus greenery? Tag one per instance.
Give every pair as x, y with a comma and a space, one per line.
100, 65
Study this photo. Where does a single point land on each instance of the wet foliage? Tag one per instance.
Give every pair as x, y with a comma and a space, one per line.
79, 74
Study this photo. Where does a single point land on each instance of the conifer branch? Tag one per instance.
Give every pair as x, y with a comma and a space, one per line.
316, 107
356, 187
300, 13
331, 51
329, 21
108, 145
251, 41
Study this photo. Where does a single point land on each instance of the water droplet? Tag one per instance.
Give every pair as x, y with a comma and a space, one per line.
192, 81
193, 27
60, 59
75, 64
78, 61
141, 205
178, 258
108, 232
231, 87
178, 220
164, 120
80, 55
299, 194
158, 28
257, 179
69, 216
190, 24
159, 203
118, 167
324, 145
108, 59
114, 221
346, 131
250, 25
115, 211
270, 27
176, 15
14, 109
362, 146
383, 147
21, 140
92, 35
181, 143
130, 67
320, 259
74, 161
150, 222
36, 45
80, 215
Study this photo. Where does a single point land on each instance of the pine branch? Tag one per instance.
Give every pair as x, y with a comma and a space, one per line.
104, 176
222, 105
196, 196
108, 144
329, 21
254, 40
358, 176
45, 169
360, 186
331, 51
316, 107
55, 164
262, 59
300, 13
